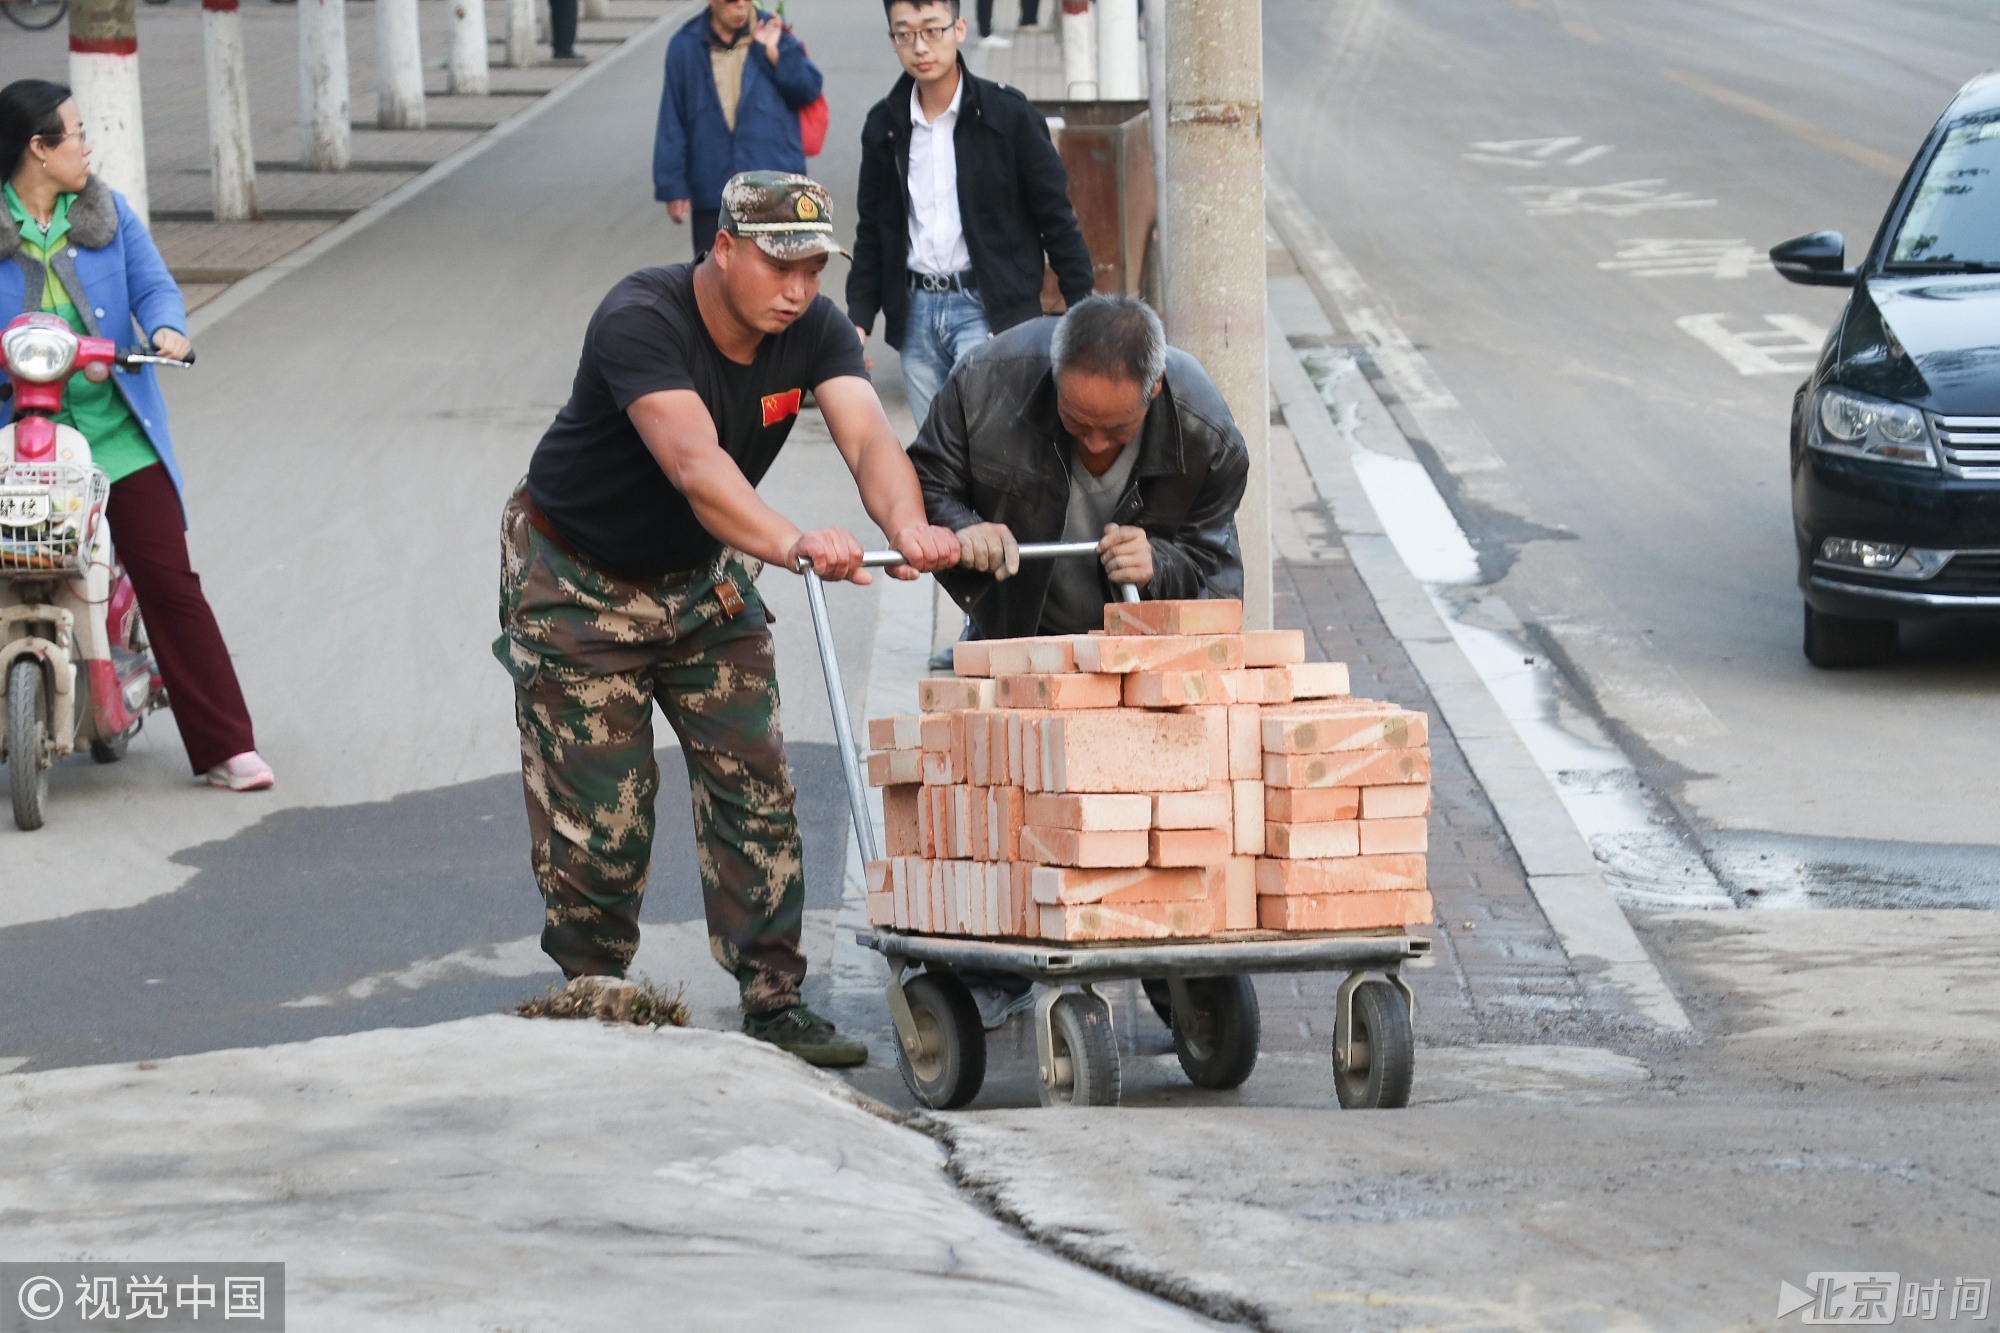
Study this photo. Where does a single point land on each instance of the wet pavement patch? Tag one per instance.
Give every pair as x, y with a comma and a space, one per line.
309, 900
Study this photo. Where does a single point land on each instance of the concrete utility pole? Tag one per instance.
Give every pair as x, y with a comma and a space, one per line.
231, 163
104, 72
399, 66
521, 34
1118, 50
1156, 105
1079, 51
1213, 209
466, 71
326, 136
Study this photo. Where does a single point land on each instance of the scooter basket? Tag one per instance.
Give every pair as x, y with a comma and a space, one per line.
49, 514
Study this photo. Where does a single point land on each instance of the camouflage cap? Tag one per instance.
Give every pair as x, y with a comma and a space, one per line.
788, 216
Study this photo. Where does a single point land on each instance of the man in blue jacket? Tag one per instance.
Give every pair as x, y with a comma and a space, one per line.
735, 84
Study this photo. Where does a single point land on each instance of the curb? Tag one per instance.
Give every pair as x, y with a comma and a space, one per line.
1563, 873
249, 289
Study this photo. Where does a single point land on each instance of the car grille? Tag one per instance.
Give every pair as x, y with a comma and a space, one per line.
1971, 446
1969, 573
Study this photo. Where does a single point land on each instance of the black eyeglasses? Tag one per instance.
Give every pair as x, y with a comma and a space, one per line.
908, 36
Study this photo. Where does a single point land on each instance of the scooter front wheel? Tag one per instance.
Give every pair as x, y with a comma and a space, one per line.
28, 741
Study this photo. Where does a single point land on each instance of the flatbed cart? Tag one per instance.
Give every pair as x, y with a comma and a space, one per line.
1200, 988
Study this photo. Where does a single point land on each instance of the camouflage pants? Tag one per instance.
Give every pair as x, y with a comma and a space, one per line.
590, 654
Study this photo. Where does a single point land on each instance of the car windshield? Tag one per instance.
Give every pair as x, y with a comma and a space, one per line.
1954, 216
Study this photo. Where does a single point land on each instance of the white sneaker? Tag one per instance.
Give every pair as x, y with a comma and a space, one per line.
244, 772
994, 39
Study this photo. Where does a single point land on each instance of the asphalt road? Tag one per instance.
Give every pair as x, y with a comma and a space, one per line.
1565, 207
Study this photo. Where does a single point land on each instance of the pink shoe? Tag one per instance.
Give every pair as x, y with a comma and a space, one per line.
245, 772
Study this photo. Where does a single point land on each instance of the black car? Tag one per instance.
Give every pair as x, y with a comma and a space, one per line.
1896, 436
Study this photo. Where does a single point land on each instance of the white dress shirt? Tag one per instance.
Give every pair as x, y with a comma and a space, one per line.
937, 241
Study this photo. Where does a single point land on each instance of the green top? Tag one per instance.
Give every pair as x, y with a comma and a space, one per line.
118, 443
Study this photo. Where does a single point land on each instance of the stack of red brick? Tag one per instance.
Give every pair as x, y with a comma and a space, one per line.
1171, 776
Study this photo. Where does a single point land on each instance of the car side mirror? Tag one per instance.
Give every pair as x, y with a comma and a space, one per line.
1815, 260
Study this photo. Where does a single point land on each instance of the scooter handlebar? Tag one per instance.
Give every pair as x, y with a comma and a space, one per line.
131, 358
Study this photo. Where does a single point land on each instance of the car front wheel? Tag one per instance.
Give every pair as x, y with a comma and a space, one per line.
1833, 642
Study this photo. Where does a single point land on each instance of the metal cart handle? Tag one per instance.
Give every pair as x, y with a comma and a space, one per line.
836, 693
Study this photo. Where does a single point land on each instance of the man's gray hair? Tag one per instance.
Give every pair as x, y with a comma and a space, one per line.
1116, 337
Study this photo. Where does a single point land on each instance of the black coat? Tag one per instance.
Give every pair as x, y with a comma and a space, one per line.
993, 450
1013, 204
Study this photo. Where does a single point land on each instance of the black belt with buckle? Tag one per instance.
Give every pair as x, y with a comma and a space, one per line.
943, 282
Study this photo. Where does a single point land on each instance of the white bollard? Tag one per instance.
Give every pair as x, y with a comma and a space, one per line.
467, 70
1079, 51
399, 66
231, 164
1118, 50
521, 34
104, 75
326, 136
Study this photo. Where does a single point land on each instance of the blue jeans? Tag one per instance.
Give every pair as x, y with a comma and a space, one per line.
942, 327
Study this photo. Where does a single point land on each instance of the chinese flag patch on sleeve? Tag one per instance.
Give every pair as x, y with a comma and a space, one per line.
779, 406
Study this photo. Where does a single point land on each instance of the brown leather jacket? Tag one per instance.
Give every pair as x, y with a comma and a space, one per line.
994, 451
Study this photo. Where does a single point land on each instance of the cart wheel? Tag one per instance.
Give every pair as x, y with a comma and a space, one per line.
1161, 997
950, 1062
1215, 1031
27, 742
1385, 1054
1084, 1056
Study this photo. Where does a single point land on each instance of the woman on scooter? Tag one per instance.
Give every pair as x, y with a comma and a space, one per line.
72, 247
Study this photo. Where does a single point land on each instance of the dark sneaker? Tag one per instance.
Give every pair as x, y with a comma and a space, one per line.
805, 1034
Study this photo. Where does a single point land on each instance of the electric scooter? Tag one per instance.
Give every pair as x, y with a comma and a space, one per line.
74, 663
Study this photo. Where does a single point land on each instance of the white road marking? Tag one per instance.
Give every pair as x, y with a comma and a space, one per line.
1621, 199
515, 958
1668, 257
1789, 346
1534, 153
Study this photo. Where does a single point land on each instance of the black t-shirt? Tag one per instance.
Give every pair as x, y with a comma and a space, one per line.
592, 474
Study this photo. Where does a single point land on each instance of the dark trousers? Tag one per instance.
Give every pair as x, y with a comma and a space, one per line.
146, 531
562, 28
1031, 12
704, 221
985, 11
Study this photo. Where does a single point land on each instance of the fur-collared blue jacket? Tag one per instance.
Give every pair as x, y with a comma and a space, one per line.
694, 150
114, 274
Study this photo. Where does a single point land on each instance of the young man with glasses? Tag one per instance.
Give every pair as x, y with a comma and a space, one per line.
961, 196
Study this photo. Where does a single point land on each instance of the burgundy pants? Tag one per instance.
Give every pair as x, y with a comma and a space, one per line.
147, 533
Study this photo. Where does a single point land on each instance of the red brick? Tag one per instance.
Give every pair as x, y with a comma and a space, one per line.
943, 733
1189, 847
1019, 723
939, 876
1263, 685
1361, 729
1208, 808
969, 828
943, 768
1216, 719
1246, 742
894, 768
900, 832
1186, 617
1031, 750
1071, 691
1118, 886
1311, 805
1318, 680
1273, 647
1049, 655
1149, 652
1128, 750
1071, 847
1239, 892
1133, 921
972, 657
1247, 817
896, 733
950, 694
881, 909
1409, 801
1025, 916
904, 871
1352, 874
1388, 836
1348, 768
979, 747
1174, 689
1298, 842
1344, 911
1090, 813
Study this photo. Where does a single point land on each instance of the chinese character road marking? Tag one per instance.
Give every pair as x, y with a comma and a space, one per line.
1788, 347
1662, 257
1622, 199
1534, 154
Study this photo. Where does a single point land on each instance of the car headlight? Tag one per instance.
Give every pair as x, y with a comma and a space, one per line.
1861, 426
38, 353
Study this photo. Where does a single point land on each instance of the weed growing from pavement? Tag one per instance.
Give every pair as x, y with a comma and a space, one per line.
642, 1004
